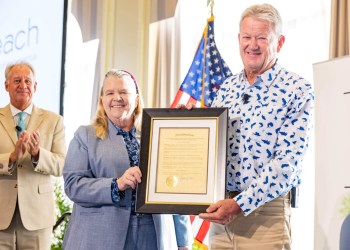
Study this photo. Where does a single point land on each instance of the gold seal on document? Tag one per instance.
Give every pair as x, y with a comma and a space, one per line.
171, 181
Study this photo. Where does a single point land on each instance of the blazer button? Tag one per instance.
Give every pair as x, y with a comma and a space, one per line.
19, 166
16, 186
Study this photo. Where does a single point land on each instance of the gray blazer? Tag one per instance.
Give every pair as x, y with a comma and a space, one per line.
96, 222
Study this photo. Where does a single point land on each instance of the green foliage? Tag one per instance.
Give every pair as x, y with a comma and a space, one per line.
63, 205
345, 210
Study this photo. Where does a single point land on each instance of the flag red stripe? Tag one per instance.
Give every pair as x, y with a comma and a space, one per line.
192, 217
202, 232
192, 100
177, 98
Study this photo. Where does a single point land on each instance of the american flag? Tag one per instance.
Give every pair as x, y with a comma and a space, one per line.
206, 74
204, 78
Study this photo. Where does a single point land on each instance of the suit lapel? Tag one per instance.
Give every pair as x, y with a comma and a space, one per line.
36, 119
6, 120
116, 142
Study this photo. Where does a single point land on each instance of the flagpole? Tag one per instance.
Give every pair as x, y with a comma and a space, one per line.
210, 4
205, 64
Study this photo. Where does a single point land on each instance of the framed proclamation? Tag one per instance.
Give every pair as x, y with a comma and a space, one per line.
182, 160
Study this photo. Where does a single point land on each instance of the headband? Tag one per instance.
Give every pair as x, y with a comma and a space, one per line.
133, 78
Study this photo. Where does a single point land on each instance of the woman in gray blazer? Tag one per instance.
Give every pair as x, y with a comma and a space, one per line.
101, 173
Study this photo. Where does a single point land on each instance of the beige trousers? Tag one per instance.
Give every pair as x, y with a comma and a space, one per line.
16, 236
266, 228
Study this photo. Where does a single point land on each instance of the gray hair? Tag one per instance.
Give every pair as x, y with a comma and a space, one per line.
10, 66
265, 12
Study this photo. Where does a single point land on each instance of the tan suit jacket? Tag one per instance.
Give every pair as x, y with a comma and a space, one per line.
32, 187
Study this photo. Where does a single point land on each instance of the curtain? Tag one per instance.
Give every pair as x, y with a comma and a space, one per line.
163, 66
340, 28
122, 29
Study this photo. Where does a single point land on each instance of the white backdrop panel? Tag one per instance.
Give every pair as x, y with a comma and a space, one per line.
332, 149
32, 31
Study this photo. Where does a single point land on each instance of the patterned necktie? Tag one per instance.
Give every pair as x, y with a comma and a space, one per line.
21, 125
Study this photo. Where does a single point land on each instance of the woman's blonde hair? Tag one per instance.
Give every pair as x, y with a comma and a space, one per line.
101, 120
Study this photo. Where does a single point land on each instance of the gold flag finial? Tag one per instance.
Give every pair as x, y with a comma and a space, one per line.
210, 4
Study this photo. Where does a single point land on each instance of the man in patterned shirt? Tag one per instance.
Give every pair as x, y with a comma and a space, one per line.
269, 122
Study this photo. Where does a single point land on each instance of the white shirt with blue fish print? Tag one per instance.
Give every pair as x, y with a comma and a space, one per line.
268, 131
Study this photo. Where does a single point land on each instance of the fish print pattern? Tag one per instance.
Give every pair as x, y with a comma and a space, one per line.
268, 133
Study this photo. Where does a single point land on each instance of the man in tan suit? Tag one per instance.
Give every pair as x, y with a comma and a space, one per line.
27, 161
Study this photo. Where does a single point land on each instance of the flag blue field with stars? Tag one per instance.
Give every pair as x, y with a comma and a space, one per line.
206, 74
